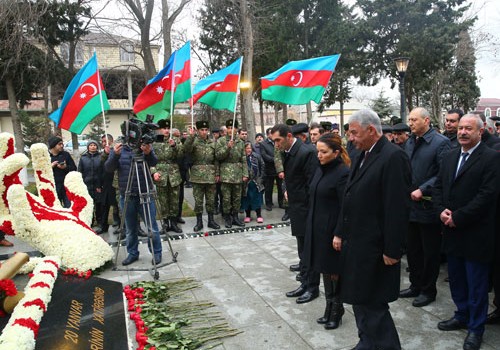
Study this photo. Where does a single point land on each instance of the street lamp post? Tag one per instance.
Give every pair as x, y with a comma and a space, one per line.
402, 66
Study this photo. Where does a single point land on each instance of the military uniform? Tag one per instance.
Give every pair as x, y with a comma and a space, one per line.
168, 185
233, 167
204, 170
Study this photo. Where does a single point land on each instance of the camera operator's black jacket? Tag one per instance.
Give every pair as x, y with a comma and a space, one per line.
123, 163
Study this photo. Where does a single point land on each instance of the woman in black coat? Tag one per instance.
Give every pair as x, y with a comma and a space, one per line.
325, 199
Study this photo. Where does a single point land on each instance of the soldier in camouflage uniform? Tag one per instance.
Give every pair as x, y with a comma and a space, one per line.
167, 176
204, 173
230, 151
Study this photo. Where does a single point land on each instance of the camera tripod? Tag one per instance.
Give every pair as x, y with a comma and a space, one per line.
147, 194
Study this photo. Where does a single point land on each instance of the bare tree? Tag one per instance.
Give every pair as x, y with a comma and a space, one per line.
247, 45
168, 20
143, 12
17, 20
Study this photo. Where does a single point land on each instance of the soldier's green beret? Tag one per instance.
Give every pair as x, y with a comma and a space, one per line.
326, 125
202, 124
164, 124
290, 122
229, 123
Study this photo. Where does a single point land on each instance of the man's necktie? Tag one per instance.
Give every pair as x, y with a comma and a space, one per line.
462, 162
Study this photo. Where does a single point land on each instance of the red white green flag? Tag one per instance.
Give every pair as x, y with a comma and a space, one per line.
219, 90
83, 100
156, 97
299, 82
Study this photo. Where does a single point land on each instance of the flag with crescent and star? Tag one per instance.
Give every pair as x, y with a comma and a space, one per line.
299, 82
219, 90
155, 98
83, 100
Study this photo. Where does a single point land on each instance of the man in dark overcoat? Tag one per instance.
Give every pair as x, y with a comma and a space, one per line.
270, 173
465, 194
373, 221
425, 148
300, 163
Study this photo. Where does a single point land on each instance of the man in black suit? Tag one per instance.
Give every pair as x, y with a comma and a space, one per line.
451, 126
300, 163
465, 194
373, 221
270, 173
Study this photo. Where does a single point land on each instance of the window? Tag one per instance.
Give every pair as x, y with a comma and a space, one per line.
487, 112
127, 52
78, 54
498, 112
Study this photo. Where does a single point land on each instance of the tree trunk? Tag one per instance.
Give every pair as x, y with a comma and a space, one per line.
276, 114
167, 22
14, 113
247, 68
309, 112
341, 126
261, 113
167, 28
285, 111
144, 24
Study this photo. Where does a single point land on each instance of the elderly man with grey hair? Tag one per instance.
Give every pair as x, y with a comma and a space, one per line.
372, 222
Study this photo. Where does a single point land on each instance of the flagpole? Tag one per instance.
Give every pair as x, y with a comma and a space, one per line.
192, 112
102, 102
236, 99
172, 86
191, 87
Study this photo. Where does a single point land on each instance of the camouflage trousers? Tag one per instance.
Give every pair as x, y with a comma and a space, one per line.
204, 192
168, 197
231, 197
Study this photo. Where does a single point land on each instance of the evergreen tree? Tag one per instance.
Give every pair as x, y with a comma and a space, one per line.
461, 88
382, 106
425, 30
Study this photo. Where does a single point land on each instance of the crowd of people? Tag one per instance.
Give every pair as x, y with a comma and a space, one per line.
356, 205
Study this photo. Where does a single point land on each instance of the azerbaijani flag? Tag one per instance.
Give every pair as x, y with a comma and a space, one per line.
219, 90
182, 82
299, 82
155, 98
83, 100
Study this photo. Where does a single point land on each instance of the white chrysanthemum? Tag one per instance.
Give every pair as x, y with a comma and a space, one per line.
23, 338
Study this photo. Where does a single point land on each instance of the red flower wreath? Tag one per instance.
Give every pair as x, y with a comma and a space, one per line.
7, 288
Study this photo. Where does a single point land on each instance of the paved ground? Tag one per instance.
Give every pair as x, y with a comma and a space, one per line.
246, 274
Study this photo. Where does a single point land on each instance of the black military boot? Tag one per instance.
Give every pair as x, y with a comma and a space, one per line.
337, 308
328, 283
236, 220
228, 221
173, 225
166, 225
212, 223
199, 223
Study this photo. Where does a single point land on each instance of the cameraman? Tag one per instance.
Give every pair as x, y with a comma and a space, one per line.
120, 158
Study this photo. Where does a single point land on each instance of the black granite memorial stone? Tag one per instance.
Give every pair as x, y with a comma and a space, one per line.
84, 315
